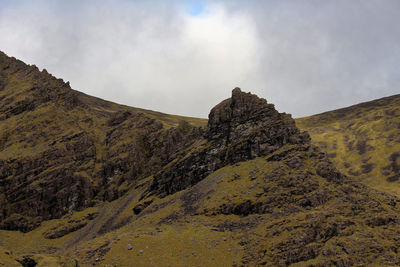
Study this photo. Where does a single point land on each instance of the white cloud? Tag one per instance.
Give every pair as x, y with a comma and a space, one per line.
304, 56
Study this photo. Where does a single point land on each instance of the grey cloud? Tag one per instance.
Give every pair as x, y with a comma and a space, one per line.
304, 56
321, 55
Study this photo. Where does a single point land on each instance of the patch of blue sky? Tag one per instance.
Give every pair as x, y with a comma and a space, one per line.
195, 7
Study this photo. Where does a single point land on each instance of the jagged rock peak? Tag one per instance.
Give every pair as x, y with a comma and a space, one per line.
238, 109
37, 87
245, 115
240, 128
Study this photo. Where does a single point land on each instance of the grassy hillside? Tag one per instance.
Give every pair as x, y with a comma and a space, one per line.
273, 211
362, 140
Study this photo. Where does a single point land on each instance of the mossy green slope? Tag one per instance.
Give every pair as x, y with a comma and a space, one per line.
362, 140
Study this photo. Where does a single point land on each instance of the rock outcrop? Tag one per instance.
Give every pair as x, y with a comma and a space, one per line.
240, 128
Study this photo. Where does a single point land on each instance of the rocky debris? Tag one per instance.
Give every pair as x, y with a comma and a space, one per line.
129, 247
240, 128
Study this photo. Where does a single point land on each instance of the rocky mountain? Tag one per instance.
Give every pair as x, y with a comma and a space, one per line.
94, 183
61, 150
240, 128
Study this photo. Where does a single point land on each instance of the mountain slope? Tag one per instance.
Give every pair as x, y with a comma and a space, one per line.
362, 140
92, 183
61, 150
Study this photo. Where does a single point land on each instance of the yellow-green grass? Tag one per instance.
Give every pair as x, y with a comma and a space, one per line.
360, 140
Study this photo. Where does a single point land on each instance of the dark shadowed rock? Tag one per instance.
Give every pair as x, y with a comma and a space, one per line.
240, 128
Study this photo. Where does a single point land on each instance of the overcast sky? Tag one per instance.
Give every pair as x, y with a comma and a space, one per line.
183, 57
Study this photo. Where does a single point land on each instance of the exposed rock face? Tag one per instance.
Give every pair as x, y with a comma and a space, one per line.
47, 185
250, 124
62, 151
239, 128
151, 148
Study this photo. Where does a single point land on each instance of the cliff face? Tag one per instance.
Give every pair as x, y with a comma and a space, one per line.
61, 150
240, 128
